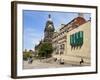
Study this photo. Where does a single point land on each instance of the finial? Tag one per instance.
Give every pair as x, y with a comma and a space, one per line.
80, 14
49, 16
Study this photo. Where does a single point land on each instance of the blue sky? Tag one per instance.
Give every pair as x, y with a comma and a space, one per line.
34, 24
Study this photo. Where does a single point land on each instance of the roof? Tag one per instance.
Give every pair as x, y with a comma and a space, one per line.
75, 22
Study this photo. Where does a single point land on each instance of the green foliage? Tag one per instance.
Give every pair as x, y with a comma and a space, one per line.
26, 55
45, 50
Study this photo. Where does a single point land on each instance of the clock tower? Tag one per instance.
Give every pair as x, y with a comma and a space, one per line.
49, 30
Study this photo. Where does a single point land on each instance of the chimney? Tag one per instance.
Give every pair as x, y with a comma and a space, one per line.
62, 25
80, 15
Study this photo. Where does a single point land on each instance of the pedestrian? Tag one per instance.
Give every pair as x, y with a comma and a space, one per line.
81, 61
55, 59
30, 60
61, 61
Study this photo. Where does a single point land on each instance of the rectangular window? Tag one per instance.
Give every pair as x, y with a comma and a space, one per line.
81, 34
72, 39
81, 37
76, 39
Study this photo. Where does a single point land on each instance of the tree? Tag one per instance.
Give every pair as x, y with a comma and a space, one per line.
27, 55
45, 50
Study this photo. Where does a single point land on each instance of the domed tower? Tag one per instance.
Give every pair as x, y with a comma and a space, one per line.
49, 30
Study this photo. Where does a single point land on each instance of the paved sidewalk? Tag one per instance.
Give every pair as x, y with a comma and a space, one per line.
43, 64
50, 63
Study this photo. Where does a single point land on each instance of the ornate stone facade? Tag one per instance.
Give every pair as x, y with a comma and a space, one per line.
49, 30
72, 41
48, 33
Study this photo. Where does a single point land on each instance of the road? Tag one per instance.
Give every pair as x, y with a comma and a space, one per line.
43, 64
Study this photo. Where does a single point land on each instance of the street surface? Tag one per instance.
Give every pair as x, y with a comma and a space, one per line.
44, 63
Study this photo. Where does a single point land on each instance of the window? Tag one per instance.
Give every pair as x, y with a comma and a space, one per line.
73, 39
76, 39
81, 38
62, 46
70, 39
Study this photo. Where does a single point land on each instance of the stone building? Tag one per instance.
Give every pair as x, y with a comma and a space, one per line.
72, 41
49, 30
48, 33
59, 41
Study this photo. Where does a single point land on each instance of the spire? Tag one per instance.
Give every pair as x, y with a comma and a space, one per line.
49, 16
49, 29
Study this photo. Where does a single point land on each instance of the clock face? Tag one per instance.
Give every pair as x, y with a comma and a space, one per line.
50, 26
